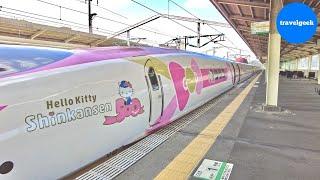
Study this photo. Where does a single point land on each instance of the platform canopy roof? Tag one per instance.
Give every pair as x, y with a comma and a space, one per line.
13, 31
241, 13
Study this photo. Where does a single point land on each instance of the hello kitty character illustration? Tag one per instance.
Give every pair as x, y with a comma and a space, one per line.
126, 91
126, 106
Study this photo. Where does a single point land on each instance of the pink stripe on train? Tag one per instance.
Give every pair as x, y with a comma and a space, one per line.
82, 56
2, 107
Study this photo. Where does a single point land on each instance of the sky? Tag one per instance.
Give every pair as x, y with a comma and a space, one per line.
126, 11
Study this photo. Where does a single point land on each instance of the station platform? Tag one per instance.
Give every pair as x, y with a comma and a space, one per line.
261, 145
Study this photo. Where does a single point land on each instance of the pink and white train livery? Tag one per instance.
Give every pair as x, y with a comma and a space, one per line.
62, 109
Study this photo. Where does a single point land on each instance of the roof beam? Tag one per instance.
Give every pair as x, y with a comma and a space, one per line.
252, 12
36, 42
307, 49
245, 3
225, 14
265, 12
243, 18
262, 45
284, 47
38, 33
288, 51
239, 10
310, 3
244, 28
99, 41
259, 46
258, 38
317, 4
71, 38
300, 52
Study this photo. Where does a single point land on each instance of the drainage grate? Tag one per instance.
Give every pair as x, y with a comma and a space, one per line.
120, 162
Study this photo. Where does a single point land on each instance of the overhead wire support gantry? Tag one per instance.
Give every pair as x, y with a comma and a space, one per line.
185, 40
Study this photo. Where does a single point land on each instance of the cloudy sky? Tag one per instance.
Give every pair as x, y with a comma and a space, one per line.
128, 12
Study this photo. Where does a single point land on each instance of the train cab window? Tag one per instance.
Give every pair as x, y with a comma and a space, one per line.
153, 79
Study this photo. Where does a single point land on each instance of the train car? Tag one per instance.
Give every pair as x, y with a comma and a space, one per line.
63, 109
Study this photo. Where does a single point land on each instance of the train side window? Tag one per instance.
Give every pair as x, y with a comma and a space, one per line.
223, 73
153, 79
211, 75
216, 74
220, 74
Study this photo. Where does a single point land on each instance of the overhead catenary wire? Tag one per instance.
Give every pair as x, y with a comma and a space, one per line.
104, 18
108, 10
169, 17
60, 21
232, 49
161, 14
82, 12
199, 19
183, 9
47, 19
82, 26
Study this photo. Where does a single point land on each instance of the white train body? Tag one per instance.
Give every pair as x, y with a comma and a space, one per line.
59, 116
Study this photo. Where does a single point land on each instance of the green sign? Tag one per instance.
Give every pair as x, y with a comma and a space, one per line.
213, 170
260, 28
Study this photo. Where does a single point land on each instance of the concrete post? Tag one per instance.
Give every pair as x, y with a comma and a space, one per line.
309, 65
274, 45
128, 38
266, 73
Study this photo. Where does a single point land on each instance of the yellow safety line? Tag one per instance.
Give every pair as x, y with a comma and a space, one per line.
183, 164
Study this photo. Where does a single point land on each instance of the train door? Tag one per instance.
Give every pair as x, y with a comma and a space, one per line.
155, 90
234, 75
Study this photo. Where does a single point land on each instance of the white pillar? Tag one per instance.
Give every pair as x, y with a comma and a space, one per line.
266, 73
309, 65
128, 38
274, 45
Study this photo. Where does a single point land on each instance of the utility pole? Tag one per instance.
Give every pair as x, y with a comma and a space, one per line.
90, 15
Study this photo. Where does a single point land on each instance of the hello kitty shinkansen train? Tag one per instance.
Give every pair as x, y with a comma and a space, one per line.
62, 109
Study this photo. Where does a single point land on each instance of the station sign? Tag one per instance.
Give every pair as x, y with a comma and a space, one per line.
213, 170
260, 28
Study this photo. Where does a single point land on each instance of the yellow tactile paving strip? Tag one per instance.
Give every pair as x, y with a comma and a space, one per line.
183, 164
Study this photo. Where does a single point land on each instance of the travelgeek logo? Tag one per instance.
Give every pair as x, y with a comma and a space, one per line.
296, 23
